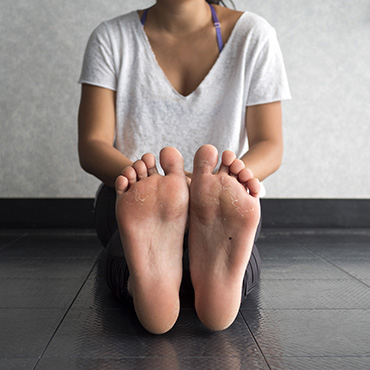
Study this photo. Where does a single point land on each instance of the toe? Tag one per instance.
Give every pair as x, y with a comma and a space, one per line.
228, 158
121, 185
141, 169
237, 166
245, 175
252, 184
171, 161
149, 161
205, 159
130, 174
254, 187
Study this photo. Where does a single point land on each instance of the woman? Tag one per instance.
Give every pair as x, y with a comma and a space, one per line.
168, 80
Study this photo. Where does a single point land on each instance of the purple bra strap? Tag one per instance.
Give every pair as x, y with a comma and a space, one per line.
143, 17
217, 25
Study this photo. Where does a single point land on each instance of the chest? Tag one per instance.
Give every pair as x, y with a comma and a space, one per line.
185, 62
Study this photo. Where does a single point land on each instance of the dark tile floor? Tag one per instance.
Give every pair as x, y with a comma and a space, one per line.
311, 310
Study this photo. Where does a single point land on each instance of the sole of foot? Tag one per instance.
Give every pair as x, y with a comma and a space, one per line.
152, 212
224, 215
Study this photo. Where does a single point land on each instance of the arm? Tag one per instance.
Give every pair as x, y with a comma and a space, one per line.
265, 138
96, 129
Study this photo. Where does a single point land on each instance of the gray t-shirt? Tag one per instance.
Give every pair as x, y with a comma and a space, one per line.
151, 114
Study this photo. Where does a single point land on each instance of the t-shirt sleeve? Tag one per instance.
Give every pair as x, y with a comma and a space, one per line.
98, 64
269, 82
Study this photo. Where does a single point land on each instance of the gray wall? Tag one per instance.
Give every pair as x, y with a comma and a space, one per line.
326, 46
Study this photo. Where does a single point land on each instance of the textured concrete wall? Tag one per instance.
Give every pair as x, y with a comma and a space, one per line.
326, 46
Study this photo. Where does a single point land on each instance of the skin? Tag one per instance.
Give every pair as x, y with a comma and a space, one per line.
170, 24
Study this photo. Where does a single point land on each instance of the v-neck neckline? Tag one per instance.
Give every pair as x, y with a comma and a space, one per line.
161, 71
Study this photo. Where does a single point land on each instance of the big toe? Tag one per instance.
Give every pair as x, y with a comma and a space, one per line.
171, 161
205, 159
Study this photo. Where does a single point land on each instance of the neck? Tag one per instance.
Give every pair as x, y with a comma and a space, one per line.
180, 16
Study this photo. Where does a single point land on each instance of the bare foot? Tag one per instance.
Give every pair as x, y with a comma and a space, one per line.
224, 215
151, 212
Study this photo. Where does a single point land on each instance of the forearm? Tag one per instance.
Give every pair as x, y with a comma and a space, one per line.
263, 158
102, 160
